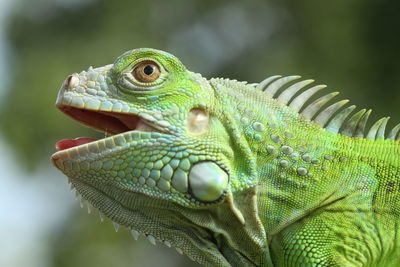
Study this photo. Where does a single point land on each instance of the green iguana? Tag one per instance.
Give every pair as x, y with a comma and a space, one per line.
231, 173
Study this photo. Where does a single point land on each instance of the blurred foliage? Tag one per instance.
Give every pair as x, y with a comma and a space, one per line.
351, 46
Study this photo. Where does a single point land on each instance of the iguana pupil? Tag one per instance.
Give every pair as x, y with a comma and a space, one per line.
148, 70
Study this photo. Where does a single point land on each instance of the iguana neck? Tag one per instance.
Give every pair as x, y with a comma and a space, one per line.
300, 166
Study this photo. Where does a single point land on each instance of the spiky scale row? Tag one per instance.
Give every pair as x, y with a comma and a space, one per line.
354, 127
337, 121
263, 85
327, 114
312, 109
288, 94
378, 129
333, 118
276, 85
299, 101
394, 133
360, 129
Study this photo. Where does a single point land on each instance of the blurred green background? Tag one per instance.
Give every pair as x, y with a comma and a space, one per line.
353, 46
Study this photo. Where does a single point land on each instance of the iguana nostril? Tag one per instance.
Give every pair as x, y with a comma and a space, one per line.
71, 82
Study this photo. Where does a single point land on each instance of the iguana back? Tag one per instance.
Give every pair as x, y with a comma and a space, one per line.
326, 186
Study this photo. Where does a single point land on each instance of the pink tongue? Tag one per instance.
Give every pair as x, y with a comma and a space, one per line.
68, 143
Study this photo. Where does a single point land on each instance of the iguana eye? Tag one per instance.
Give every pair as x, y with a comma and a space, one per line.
146, 71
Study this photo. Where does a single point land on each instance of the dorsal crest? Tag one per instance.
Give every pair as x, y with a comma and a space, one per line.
335, 117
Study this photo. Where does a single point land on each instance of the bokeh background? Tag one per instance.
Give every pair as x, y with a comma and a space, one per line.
353, 46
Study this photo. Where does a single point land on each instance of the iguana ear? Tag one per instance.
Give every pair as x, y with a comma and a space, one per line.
198, 121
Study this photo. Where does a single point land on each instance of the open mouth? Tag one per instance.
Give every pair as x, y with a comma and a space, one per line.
111, 123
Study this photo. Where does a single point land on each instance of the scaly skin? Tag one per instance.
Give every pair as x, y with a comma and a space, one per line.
227, 174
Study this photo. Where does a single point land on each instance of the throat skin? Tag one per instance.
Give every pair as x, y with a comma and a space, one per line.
303, 170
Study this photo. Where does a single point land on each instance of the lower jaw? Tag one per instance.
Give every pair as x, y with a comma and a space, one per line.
111, 207
138, 220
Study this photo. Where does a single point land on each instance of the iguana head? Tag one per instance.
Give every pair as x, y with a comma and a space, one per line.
168, 169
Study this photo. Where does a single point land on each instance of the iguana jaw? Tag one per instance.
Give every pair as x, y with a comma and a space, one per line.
112, 123
141, 215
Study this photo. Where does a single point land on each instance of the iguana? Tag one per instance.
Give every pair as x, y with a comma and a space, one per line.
232, 173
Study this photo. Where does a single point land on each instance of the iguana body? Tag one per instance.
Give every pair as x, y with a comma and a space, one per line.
230, 173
